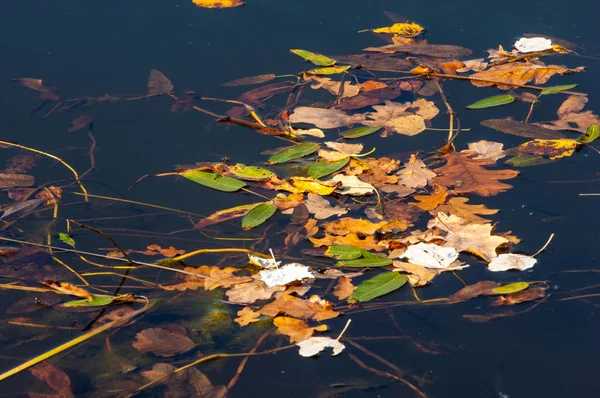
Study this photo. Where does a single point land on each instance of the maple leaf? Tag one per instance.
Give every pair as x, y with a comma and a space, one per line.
317, 310
506, 76
467, 175
460, 208
296, 329
346, 225
246, 316
465, 236
344, 288
415, 174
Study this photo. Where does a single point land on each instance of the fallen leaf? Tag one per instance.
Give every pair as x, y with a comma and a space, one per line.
257, 95
509, 75
352, 185
467, 175
321, 208
573, 104
407, 119
67, 288
460, 208
509, 261
296, 329
158, 83
80, 122
533, 44
415, 174
324, 118
246, 316
554, 149
218, 3
431, 202
251, 292
315, 345
223, 277
521, 129
472, 291
183, 282
343, 288
346, 225
430, 255
245, 81
162, 342
520, 297
170, 252
35, 84
377, 286
317, 59
434, 50
349, 89
405, 29
487, 150
186, 383
418, 275
299, 308
55, 378
10, 180
376, 62
351, 239
310, 185
289, 273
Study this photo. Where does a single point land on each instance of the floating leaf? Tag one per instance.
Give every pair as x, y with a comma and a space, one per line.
378, 286
258, 215
365, 262
509, 261
34, 84
520, 297
533, 44
10, 180
66, 238
246, 81
225, 215
557, 89
342, 252
508, 75
344, 288
315, 345
331, 70
67, 288
510, 288
525, 160
324, 118
94, 301
317, 59
158, 83
323, 168
591, 134
213, 180
296, 329
490, 102
287, 274
430, 255
218, 3
80, 122
314, 308
250, 173
294, 152
361, 132
405, 29
321, 208
554, 149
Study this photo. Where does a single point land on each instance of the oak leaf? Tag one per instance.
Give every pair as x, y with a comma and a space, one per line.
223, 277
415, 174
431, 202
299, 308
467, 175
296, 329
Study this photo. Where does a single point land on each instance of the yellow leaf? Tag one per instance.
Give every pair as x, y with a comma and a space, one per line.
555, 149
296, 329
351, 239
246, 316
218, 3
308, 184
402, 29
345, 225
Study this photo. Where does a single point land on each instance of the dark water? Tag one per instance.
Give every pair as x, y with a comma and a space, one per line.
93, 48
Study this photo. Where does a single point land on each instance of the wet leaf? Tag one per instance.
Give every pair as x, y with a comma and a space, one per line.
334, 87
169, 252
510, 288
346, 225
287, 274
314, 345
225, 215
431, 202
487, 150
163, 342
27, 205
323, 168
321, 208
472, 291
351, 239
520, 297
186, 383
554, 149
258, 215
67, 288
343, 288
533, 44
508, 75
331, 70
415, 174
525, 160
467, 175
246, 316
382, 62
249, 293
249, 173
490, 102
379, 285
66, 238
55, 378
521, 129
509, 261
317, 59
213, 180
590, 135
361, 132
352, 185
94, 301
341, 252
80, 122
418, 275
434, 50
309, 184
407, 119
401, 29
295, 329
557, 89
318, 310
430, 255
294, 152
460, 208
224, 277
246, 81
35, 84
9, 180
365, 262
218, 3
158, 83
324, 118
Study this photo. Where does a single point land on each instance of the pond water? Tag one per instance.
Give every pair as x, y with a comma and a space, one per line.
97, 48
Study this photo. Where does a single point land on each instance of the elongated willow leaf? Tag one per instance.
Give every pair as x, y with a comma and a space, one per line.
225, 215
258, 215
490, 102
591, 134
342, 252
250, 173
379, 285
557, 89
317, 59
294, 152
66, 238
94, 301
323, 167
213, 180
329, 70
361, 132
365, 262
510, 288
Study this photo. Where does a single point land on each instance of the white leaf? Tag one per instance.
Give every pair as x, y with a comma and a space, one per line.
282, 276
267, 263
430, 256
351, 185
533, 44
314, 345
505, 262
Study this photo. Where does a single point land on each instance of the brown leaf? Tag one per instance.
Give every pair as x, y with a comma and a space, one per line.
321, 208
508, 75
313, 308
487, 150
520, 297
296, 329
257, 95
170, 252
521, 129
460, 208
248, 293
10, 180
67, 288
35, 84
246, 316
407, 119
245, 81
573, 104
381, 62
349, 90
472, 291
187, 383
183, 282
158, 83
433, 50
324, 118
80, 122
372, 97
223, 277
21, 164
54, 378
418, 274
343, 288
467, 175
162, 342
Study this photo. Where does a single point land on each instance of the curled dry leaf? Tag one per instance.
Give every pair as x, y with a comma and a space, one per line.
296, 329
163, 342
67, 288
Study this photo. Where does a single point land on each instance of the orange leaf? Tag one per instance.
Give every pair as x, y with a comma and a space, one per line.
430, 202
246, 316
67, 288
296, 329
312, 308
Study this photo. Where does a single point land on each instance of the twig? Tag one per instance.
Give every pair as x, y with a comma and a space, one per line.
240, 368
448, 107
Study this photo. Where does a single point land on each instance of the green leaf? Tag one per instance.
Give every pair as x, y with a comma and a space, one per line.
591, 134
378, 286
496, 100
294, 152
343, 252
510, 288
331, 70
525, 160
557, 89
323, 167
367, 254
361, 131
317, 59
94, 301
250, 173
213, 180
365, 262
66, 238
258, 215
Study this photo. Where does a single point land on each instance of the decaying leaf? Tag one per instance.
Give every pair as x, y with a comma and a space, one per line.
158, 83
163, 342
430, 255
288, 273
67, 288
223, 277
352, 185
509, 261
508, 75
9, 180
324, 118
554, 149
187, 383
349, 89
55, 378
487, 150
474, 290
218, 3
314, 345
520, 297
296, 329
407, 119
